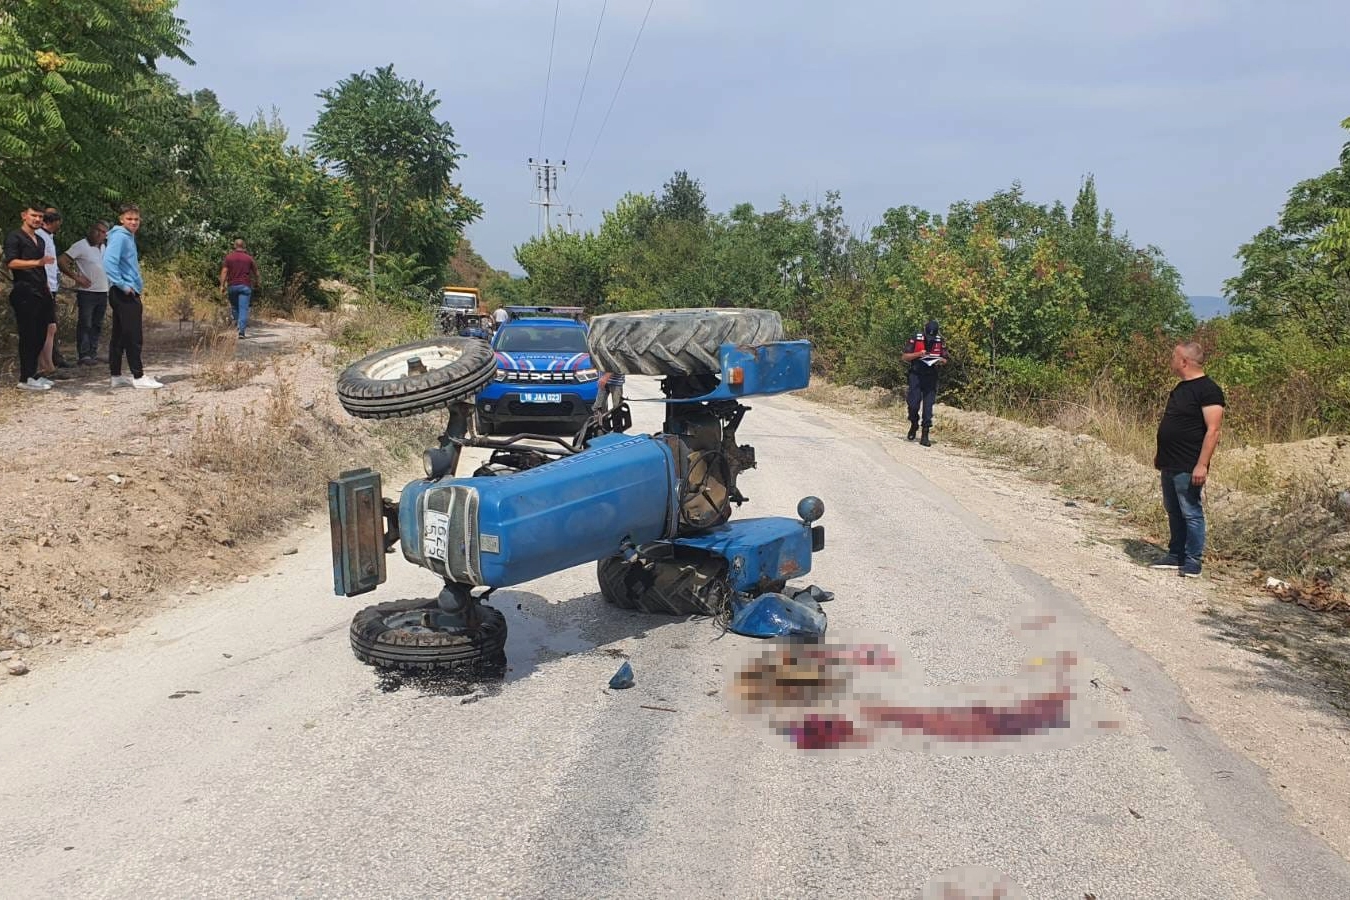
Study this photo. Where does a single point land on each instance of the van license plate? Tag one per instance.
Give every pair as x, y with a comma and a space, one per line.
541, 398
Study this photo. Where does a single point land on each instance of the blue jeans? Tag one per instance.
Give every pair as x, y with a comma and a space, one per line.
239, 296
1185, 516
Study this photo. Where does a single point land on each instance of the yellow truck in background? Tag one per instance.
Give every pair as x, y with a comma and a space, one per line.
462, 299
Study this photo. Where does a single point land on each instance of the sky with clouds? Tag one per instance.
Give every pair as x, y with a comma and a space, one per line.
1196, 117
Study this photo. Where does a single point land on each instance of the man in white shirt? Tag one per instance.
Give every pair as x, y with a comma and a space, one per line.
51, 350
83, 261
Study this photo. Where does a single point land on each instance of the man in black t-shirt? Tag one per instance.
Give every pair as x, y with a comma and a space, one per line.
1187, 436
27, 259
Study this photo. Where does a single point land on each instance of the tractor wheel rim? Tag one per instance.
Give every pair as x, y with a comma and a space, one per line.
395, 366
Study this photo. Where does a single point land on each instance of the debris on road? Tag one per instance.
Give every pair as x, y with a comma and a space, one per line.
659, 708
623, 678
1320, 596
777, 615
17, 667
290, 551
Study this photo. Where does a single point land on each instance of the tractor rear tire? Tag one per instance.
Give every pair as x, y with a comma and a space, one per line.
676, 341
380, 386
675, 585
378, 643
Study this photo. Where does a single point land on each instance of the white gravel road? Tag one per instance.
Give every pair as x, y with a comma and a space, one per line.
231, 746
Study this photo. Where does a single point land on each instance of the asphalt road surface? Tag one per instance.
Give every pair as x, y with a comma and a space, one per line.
231, 746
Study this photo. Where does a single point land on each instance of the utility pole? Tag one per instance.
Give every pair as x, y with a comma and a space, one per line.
570, 214
545, 186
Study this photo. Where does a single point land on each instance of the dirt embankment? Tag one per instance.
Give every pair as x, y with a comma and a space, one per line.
112, 496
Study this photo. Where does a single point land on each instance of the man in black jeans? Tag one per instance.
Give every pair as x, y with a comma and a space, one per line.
83, 261
1187, 436
27, 259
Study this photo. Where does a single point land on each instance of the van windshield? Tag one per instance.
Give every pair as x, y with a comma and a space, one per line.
535, 339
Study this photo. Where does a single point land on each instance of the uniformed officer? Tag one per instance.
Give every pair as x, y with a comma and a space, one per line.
925, 352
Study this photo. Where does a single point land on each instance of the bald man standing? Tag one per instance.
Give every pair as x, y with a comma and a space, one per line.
238, 279
1187, 436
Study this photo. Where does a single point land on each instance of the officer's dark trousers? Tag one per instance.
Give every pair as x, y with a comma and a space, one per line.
922, 393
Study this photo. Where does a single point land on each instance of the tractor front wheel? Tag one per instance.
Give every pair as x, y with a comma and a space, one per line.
417, 635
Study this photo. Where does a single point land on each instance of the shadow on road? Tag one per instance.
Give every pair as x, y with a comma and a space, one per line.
538, 632
1303, 654
1142, 552
1306, 655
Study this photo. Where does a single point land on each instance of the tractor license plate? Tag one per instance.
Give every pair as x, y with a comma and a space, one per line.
541, 398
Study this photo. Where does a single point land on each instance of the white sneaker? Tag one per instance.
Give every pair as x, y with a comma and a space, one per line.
145, 382
34, 384
118, 381
45, 382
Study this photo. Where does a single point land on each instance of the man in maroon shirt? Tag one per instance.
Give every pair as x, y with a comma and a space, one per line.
238, 279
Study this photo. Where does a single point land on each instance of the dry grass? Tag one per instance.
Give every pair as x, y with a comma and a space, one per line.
269, 466
1293, 522
362, 327
215, 364
169, 297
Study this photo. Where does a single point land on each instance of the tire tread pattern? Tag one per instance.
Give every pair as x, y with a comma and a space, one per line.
373, 643
374, 398
678, 587
676, 341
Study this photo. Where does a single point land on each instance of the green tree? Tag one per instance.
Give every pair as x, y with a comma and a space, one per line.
564, 269
382, 134
1296, 274
1085, 217
682, 200
67, 78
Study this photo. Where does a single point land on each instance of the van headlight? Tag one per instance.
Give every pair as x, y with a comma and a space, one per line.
585, 375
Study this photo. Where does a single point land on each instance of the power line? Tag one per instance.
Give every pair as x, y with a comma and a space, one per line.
584, 79
543, 117
614, 99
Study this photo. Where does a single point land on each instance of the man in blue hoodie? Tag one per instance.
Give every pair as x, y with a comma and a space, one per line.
122, 265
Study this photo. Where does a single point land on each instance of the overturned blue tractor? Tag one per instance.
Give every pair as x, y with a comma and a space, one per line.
653, 511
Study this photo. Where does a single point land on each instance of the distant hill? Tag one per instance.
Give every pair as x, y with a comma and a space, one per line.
1208, 307
470, 269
